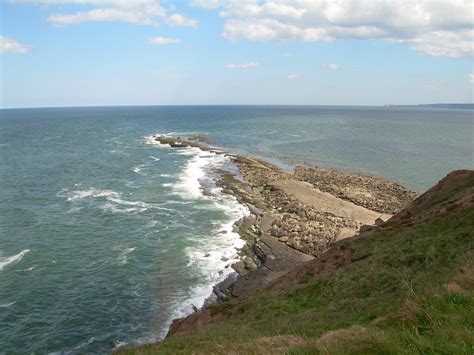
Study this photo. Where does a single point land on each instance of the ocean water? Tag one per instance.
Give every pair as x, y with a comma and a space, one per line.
106, 236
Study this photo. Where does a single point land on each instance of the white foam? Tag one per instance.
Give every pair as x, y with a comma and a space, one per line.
6, 305
113, 201
12, 259
81, 345
91, 192
119, 344
138, 169
189, 184
154, 158
152, 141
151, 223
73, 210
188, 151
29, 269
124, 251
110, 207
138, 204
210, 256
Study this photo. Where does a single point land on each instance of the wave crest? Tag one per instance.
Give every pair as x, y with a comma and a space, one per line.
112, 201
12, 259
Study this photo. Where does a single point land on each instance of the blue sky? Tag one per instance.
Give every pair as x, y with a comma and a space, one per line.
149, 52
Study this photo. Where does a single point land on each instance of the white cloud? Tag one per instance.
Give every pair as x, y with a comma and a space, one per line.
445, 43
139, 12
279, 9
332, 67
471, 78
181, 20
205, 4
10, 45
118, 3
271, 30
435, 27
292, 76
139, 17
249, 65
160, 41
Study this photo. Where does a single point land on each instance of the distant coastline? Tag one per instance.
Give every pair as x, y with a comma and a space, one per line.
442, 106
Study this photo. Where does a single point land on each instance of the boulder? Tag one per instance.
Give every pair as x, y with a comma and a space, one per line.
239, 267
254, 210
379, 222
250, 264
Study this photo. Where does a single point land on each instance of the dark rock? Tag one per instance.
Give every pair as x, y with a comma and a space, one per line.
365, 228
259, 252
228, 191
379, 222
239, 267
250, 264
212, 299
254, 210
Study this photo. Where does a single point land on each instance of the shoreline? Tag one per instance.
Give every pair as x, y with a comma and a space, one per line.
294, 217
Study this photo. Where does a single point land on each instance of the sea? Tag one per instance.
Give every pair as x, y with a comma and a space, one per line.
106, 236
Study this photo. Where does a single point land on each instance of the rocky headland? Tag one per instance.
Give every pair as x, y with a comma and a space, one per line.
324, 271
294, 216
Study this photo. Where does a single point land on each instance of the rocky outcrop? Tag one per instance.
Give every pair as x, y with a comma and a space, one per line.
282, 231
201, 139
363, 190
303, 227
196, 141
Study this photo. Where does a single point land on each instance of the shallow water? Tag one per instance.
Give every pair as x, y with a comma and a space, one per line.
106, 236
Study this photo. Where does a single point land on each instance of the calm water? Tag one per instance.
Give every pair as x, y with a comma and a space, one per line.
105, 236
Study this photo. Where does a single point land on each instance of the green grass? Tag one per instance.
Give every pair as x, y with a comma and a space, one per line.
391, 301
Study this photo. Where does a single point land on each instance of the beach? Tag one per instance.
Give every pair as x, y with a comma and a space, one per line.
294, 217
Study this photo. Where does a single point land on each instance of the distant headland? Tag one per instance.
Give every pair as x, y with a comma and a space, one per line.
465, 106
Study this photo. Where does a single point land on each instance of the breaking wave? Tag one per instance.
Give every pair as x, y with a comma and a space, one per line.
110, 201
13, 259
211, 255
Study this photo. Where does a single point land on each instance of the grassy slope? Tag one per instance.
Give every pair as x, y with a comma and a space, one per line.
384, 293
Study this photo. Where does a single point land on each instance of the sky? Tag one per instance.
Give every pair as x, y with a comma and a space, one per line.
308, 52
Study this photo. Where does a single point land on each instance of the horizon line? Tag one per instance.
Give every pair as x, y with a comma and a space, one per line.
239, 105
